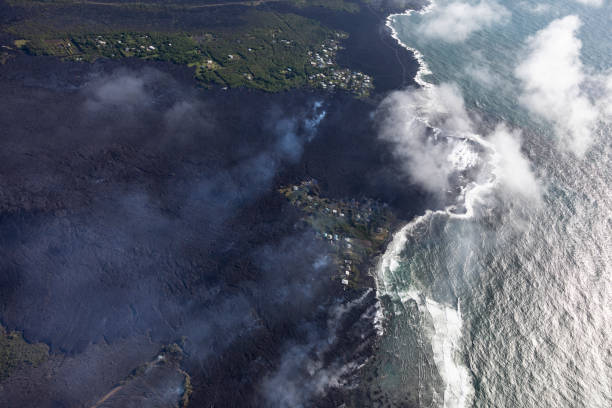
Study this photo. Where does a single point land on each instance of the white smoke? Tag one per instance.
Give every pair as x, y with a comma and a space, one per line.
123, 90
557, 86
456, 21
302, 374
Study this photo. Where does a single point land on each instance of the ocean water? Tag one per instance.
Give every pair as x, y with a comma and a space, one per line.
502, 298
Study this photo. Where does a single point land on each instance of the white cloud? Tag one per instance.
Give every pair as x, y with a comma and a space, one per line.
513, 169
594, 3
539, 8
483, 75
428, 159
456, 21
434, 137
555, 82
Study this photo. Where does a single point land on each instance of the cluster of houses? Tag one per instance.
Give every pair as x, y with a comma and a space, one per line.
347, 271
343, 224
325, 56
360, 212
331, 77
136, 45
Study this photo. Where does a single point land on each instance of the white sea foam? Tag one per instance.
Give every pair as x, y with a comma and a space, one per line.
379, 319
446, 345
463, 157
423, 68
446, 334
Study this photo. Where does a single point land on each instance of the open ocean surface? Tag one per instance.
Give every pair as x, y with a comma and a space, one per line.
503, 298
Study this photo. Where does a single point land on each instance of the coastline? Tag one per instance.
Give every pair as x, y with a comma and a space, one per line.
453, 379
369, 368
376, 262
423, 67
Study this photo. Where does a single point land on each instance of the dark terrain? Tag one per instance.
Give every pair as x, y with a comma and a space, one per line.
138, 210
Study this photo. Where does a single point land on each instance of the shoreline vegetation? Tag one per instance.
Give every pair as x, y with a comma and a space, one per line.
235, 43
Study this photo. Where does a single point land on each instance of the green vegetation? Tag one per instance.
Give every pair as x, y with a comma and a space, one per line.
341, 5
230, 47
357, 230
16, 352
271, 54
